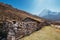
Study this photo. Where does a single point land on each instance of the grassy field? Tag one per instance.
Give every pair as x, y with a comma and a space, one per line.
46, 33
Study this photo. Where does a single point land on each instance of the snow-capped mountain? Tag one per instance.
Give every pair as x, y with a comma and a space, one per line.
50, 15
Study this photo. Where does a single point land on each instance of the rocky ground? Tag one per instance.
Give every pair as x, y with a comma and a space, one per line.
19, 29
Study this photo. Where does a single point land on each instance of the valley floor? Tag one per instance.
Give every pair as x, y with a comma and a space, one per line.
46, 33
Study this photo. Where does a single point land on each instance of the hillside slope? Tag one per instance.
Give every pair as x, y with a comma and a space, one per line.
26, 23
46, 33
10, 12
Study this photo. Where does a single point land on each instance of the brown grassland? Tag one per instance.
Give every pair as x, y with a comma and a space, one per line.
46, 33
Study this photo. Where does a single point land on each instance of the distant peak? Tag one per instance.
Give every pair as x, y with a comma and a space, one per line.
46, 10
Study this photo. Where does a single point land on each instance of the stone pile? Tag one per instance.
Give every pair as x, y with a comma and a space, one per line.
16, 30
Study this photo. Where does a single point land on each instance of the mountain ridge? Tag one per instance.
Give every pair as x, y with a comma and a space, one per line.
50, 15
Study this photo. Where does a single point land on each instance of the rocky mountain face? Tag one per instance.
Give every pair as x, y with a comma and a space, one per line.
15, 24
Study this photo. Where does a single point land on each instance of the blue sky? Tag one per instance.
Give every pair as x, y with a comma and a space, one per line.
34, 6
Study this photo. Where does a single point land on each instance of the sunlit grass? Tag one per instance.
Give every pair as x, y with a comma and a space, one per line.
46, 33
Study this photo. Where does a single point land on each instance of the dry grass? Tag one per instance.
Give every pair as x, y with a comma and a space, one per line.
46, 33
